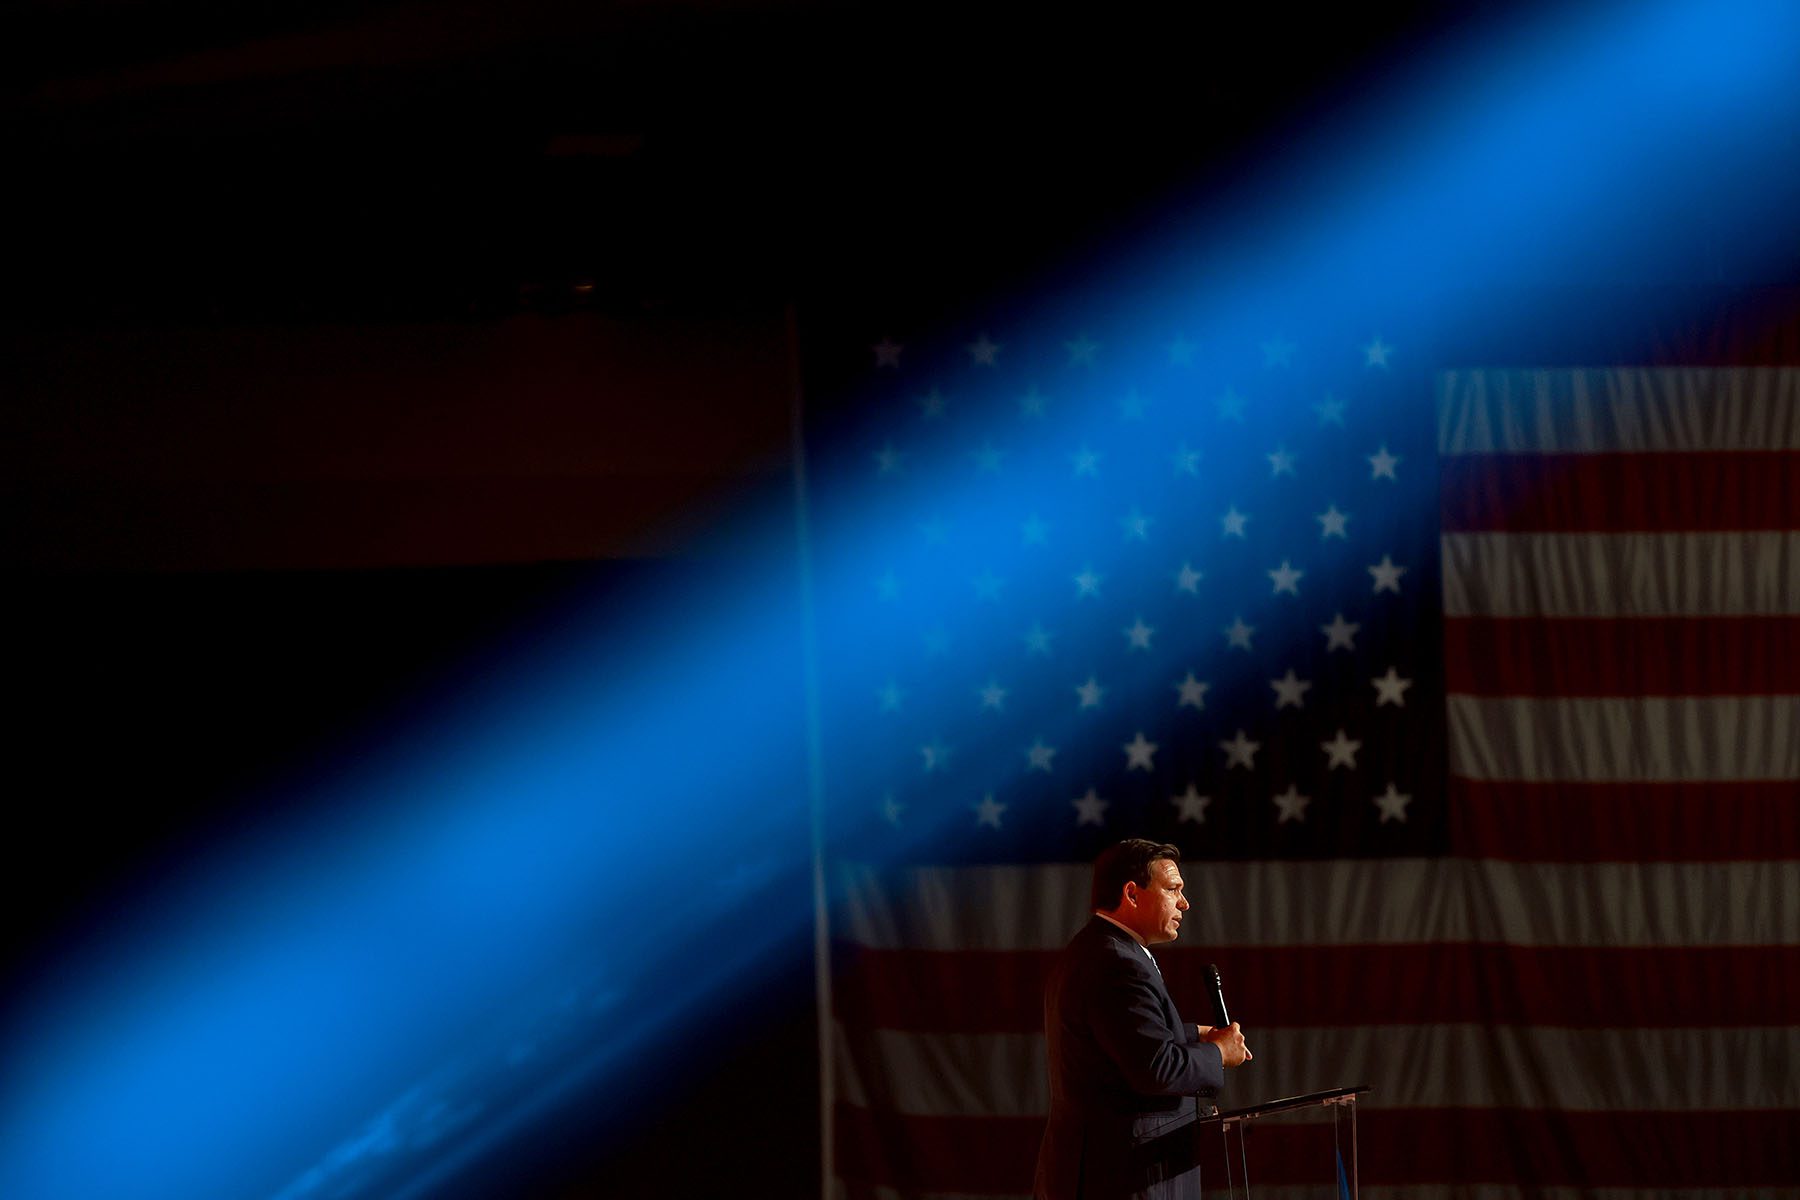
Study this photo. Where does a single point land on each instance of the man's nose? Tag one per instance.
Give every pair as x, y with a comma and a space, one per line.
1181, 903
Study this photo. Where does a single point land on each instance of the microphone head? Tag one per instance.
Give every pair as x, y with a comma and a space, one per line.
1216, 996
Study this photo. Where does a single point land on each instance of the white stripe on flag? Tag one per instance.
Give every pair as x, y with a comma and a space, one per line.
1618, 738
1409, 1066
1621, 574
1342, 902
1618, 410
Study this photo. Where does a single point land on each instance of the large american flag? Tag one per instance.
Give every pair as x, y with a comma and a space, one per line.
1470, 695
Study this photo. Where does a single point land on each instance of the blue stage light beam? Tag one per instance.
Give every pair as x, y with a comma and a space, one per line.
320, 1012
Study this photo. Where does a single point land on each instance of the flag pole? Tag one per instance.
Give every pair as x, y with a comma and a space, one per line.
815, 755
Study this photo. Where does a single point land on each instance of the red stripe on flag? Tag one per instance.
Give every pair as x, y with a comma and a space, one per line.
946, 1154
1636, 656
1683, 821
941, 991
1618, 493
1754, 1148
1593, 987
936, 991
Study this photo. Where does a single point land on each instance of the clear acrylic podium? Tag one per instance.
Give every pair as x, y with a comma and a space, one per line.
1342, 1105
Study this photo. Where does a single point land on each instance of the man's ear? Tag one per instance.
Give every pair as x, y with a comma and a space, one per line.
1131, 892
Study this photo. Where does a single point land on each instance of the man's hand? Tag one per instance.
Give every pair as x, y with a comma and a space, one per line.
1230, 1041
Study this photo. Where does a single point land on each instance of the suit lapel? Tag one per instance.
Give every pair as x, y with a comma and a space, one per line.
1170, 1015
1168, 1001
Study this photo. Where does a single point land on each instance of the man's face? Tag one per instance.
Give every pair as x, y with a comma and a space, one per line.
1157, 917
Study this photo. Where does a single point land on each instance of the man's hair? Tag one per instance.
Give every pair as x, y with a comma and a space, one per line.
1127, 862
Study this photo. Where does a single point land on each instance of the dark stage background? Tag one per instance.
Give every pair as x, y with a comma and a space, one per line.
245, 554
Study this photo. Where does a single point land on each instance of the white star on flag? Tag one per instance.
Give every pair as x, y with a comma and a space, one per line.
1035, 531
931, 405
1136, 526
1292, 805
1331, 411
1237, 634
1392, 804
1086, 463
1290, 690
887, 353
1340, 634
1375, 354
1286, 579
1387, 575
1187, 462
1382, 464
887, 460
1193, 693
1090, 693
1082, 351
1233, 522
988, 811
1031, 404
1192, 805
1231, 407
1038, 756
1137, 635
1138, 753
1390, 689
1280, 463
891, 809
1188, 580
891, 696
1340, 752
993, 696
1087, 583
1240, 751
935, 755
1278, 352
1090, 809
984, 351
987, 586
1037, 640
1332, 523
1181, 352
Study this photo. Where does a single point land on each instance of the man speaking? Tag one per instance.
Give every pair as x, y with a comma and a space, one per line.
1121, 1060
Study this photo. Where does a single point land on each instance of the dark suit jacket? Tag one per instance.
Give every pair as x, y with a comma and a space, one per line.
1122, 1063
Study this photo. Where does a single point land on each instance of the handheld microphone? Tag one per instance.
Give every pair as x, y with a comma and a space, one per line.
1215, 992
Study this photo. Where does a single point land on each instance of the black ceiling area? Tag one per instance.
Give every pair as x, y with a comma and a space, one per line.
354, 159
